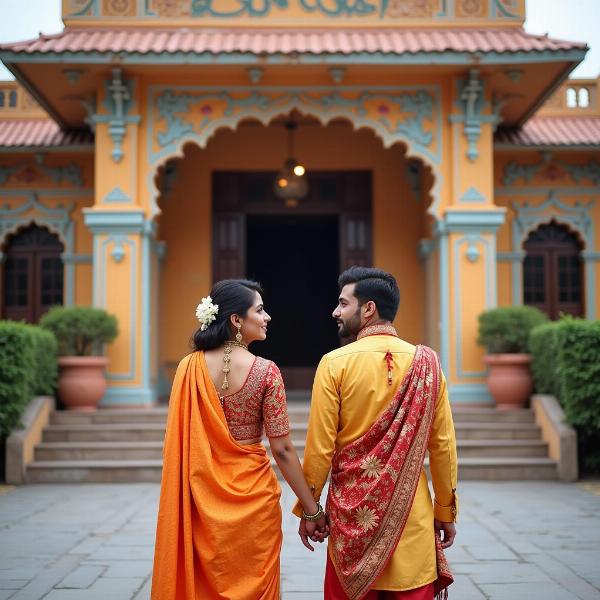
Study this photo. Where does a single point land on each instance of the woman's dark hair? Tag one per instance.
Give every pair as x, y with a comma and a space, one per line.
234, 297
376, 285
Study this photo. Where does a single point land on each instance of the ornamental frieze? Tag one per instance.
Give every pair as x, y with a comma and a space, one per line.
308, 10
548, 169
401, 114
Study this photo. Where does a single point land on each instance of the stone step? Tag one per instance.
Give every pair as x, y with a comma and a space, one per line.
113, 432
94, 471
74, 451
152, 450
123, 432
462, 414
507, 469
298, 413
142, 471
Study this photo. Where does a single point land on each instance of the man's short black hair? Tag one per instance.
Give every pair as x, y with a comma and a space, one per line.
375, 285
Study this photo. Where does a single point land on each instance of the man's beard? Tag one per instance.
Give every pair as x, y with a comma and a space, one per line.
351, 327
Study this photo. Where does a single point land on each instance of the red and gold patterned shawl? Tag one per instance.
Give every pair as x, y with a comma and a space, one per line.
374, 480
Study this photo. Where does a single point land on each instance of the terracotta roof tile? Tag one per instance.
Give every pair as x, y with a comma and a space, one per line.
285, 41
20, 133
553, 131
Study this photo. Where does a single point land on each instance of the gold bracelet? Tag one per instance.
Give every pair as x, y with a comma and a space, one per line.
316, 516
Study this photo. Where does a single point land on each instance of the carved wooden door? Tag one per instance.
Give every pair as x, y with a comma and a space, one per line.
33, 274
553, 271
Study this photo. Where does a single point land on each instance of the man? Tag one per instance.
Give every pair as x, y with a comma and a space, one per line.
377, 405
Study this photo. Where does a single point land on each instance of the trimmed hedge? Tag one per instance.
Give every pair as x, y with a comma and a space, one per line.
505, 330
566, 363
27, 367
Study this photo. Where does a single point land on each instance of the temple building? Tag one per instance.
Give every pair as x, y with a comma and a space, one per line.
155, 146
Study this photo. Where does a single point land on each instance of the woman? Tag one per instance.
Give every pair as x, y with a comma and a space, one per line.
219, 522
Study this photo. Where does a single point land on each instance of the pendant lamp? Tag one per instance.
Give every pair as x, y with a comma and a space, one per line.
291, 183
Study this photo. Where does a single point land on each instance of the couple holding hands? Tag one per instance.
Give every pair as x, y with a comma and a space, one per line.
378, 405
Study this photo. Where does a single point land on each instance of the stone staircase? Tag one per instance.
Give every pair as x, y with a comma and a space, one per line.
119, 445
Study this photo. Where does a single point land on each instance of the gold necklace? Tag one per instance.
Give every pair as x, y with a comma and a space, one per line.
228, 347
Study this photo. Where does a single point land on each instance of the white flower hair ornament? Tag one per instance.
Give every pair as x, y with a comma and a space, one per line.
206, 312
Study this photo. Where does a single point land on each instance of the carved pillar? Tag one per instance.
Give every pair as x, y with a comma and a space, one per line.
466, 240
123, 243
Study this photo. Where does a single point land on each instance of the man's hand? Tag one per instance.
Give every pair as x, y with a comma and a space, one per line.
449, 532
317, 531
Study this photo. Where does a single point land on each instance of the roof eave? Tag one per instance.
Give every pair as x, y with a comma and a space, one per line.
551, 147
449, 57
550, 90
79, 148
41, 100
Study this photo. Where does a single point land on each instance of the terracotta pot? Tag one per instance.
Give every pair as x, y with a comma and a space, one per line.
81, 382
509, 379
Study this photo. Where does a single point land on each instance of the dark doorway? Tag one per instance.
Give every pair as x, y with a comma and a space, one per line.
296, 258
553, 272
33, 274
296, 252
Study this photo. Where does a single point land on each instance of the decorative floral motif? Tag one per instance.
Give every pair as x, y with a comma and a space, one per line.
372, 466
365, 518
206, 312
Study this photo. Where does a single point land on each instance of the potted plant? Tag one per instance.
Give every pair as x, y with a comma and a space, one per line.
81, 332
505, 334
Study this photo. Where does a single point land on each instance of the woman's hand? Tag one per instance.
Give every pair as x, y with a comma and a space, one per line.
317, 531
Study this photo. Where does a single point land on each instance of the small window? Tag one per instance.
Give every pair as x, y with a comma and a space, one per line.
583, 97
571, 98
12, 99
1, 98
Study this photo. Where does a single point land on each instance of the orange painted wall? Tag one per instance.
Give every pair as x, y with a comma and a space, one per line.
185, 223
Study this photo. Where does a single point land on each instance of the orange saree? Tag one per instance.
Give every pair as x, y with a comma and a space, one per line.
218, 534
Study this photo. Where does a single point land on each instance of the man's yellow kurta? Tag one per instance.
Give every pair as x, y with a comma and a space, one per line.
350, 391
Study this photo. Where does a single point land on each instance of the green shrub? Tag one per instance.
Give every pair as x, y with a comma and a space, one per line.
80, 330
566, 363
544, 344
46, 365
17, 366
506, 329
28, 367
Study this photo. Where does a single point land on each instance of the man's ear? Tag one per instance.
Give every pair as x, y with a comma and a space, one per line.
370, 309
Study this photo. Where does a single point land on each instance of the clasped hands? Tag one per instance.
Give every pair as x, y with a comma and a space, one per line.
317, 531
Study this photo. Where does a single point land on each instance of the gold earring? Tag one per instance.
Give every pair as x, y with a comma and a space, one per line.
238, 335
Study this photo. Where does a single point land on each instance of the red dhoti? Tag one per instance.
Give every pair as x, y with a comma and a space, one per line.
334, 590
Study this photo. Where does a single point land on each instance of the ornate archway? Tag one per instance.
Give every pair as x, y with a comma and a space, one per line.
32, 274
553, 271
409, 115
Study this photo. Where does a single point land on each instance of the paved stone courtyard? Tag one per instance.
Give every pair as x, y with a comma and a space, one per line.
95, 542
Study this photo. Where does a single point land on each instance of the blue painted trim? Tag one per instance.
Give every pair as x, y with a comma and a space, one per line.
444, 294
117, 196
146, 316
247, 58
547, 189
480, 220
128, 396
103, 291
490, 292
472, 195
78, 259
114, 221
470, 393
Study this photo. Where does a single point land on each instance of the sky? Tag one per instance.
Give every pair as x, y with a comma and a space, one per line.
558, 18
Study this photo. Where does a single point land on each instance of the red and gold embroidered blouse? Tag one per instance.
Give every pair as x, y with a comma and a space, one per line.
260, 400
